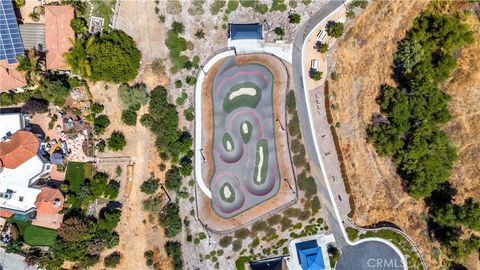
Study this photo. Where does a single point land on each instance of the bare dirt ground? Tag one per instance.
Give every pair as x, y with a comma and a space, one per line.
138, 19
284, 195
138, 233
364, 59
464, 89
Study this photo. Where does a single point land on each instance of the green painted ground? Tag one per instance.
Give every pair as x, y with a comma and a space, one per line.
242, 100
264, 168
246, 136
222, 195
227, 138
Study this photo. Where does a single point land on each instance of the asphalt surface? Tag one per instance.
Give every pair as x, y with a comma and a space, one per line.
369, 255
235, 167
297, 68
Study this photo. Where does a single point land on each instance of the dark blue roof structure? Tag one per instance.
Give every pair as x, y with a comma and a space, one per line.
310, 255
245, 31
10, 41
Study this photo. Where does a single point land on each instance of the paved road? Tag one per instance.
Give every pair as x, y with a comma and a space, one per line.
297, 68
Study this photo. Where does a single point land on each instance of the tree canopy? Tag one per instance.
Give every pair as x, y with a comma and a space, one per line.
112, 57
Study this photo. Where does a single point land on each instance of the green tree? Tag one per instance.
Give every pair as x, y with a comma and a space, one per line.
109, 219
112, 189
322, 47
317, 75
77, 58
100, 123
133, 95
170, 219
117, 141
279, 31
294, 18
112, 260
114, 57
173, 179
129, 116
335, 29
174, 250
79, 25
150, 186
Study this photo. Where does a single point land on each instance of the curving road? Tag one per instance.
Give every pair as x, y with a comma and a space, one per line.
305, 123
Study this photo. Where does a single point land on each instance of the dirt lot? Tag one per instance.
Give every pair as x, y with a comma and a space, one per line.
137, 232
364, 60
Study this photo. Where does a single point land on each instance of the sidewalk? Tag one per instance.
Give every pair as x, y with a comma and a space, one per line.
316, 97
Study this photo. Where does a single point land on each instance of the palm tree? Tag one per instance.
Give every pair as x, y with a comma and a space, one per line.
77, 58
29, 63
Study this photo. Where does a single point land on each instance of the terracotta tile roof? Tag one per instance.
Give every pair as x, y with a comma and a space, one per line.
6, 213
49, 203
22, 146
10, 78
57, 35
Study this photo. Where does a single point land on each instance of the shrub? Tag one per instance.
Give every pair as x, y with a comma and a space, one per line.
173, 179
322, 47
112, 260
188, 114
150, 186
279, 31
242, 233
261, 8
129, 117
101, 123
152, 204
225, 241
174, 250
335, 29
236, 245
217, 6
274, 220
200, 34
79, 25
101, 145
112, 190
117, 141
294, 18
170, 220
178, 84
232, 5
317, 75
133, 95
178, 27
191, 80
148, 257
278, 5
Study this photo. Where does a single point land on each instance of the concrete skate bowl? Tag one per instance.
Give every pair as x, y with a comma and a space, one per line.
246, 171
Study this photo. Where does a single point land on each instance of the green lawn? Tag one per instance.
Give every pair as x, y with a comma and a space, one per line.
34, 235
76, 175
38, 236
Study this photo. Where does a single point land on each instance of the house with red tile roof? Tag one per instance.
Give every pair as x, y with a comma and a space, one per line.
49, 203
10, 77
24, 164
58, 35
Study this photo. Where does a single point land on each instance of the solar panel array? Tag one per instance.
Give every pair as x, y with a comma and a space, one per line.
10, 41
